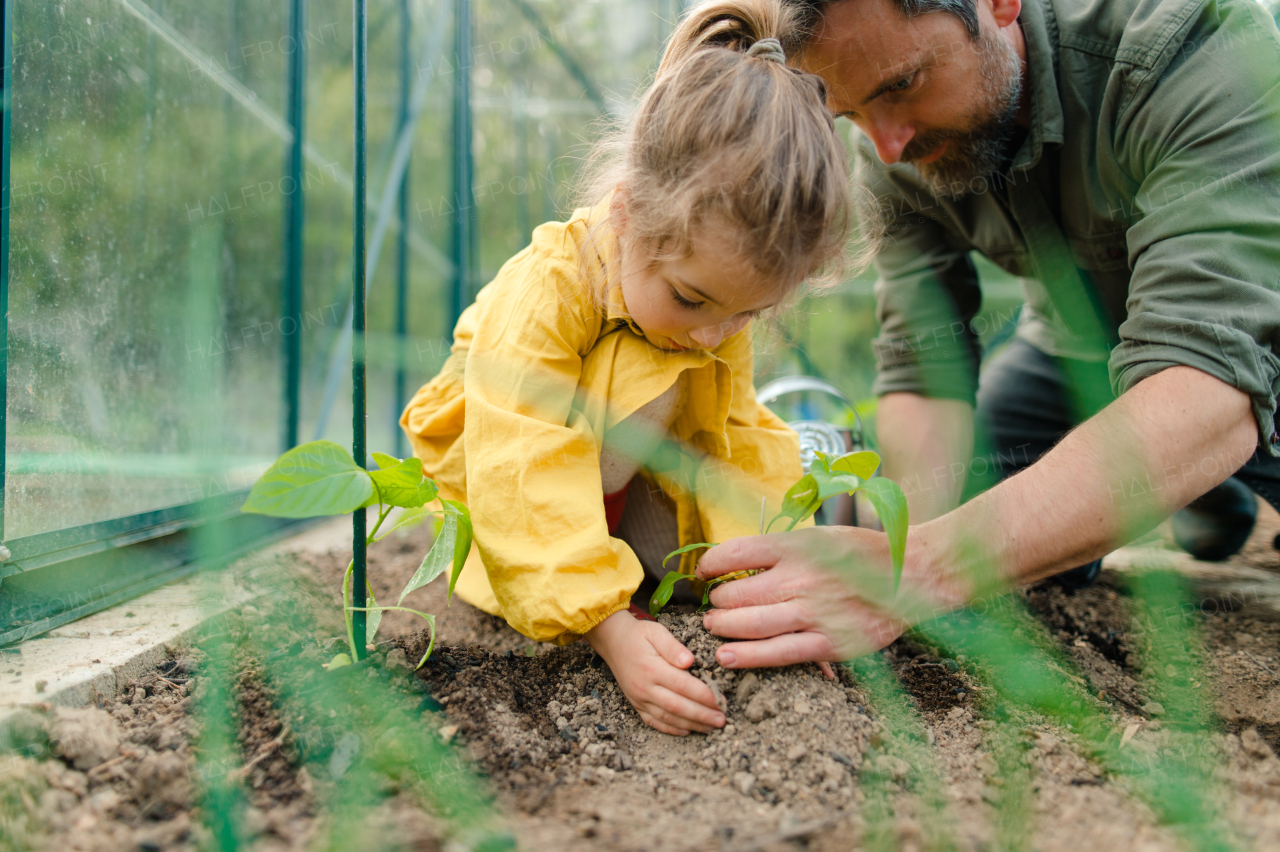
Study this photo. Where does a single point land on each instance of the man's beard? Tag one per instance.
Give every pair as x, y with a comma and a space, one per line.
979, 150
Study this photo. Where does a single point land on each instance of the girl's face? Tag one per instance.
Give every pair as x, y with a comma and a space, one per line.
693, 302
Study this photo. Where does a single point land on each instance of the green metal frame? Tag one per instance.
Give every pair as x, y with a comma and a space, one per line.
43, 549
463, 236
402, 238
57, 577
359, 451
295, 207
7, 27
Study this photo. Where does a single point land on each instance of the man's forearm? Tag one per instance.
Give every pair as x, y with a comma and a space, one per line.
926, 444
1164, 443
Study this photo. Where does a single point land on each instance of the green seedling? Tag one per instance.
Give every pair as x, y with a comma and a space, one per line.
828, 477
320, 478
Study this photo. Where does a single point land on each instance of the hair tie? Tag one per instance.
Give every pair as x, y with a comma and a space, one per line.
768, 48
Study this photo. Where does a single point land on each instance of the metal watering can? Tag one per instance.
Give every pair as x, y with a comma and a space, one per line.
837, 433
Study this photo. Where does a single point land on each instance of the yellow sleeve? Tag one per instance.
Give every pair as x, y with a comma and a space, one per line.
532, 460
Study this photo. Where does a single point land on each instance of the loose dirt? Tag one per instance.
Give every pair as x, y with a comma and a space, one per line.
805, 762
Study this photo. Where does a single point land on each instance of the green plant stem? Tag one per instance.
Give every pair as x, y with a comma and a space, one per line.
346, 611
383, 511
430, 619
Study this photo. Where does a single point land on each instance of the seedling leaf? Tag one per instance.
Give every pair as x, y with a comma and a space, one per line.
891, 505
711, 584
724, 578
800, 501
313, 480
686, 549
384, 461
461, 544
831, 484
401, 483
338, 661
438, 557
664, 591
861, 464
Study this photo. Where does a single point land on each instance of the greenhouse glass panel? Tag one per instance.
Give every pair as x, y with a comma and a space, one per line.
145, 255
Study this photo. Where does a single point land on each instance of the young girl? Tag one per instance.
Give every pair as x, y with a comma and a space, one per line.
616, 345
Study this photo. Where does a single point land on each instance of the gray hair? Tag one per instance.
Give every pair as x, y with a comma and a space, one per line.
809, 15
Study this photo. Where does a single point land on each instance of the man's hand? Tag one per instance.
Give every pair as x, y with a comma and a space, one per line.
649, 664
827, 594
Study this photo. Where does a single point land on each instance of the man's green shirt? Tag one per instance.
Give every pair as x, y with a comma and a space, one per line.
1142, 212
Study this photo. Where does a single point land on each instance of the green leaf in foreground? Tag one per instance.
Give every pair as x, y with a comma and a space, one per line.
462, 543
861, 464
800, 502
664, 591
891, 505
711, 584
667, 587
438, 558
831, 484
401, 483
310, 481
685, 549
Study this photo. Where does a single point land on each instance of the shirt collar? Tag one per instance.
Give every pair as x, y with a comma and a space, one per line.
1040, 32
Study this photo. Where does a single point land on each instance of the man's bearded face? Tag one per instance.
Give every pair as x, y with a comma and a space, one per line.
978, 148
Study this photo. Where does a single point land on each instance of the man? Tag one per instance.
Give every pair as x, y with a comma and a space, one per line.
1123, 158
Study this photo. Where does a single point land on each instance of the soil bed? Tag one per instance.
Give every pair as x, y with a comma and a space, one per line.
805, 762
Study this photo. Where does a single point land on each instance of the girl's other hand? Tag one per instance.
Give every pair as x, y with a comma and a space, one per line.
650, 664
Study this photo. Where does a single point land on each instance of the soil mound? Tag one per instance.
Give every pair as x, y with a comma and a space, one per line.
545, 726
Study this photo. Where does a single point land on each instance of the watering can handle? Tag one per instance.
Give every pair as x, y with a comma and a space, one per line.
797, 384
800, 384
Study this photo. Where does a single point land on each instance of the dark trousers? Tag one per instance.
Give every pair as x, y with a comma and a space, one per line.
1027, 402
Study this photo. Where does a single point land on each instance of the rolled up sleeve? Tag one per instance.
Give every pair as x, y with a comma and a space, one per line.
1205, 250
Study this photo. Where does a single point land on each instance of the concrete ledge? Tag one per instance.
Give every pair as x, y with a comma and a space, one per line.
101, 653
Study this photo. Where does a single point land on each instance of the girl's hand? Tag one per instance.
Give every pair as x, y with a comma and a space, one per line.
649, 664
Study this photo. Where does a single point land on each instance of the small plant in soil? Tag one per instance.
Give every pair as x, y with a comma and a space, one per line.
828, 477
321, 478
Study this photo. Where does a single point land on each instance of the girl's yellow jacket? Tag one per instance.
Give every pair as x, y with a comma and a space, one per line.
512, 426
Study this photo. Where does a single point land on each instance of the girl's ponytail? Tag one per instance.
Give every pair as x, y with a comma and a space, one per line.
732, 24
729, 136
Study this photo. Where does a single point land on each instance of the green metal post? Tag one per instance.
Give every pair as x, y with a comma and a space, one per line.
295, 206
7, 26
463, 232
402, 240
358, 449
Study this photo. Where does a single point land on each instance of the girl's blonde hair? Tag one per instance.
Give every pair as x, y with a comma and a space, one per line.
737, 141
